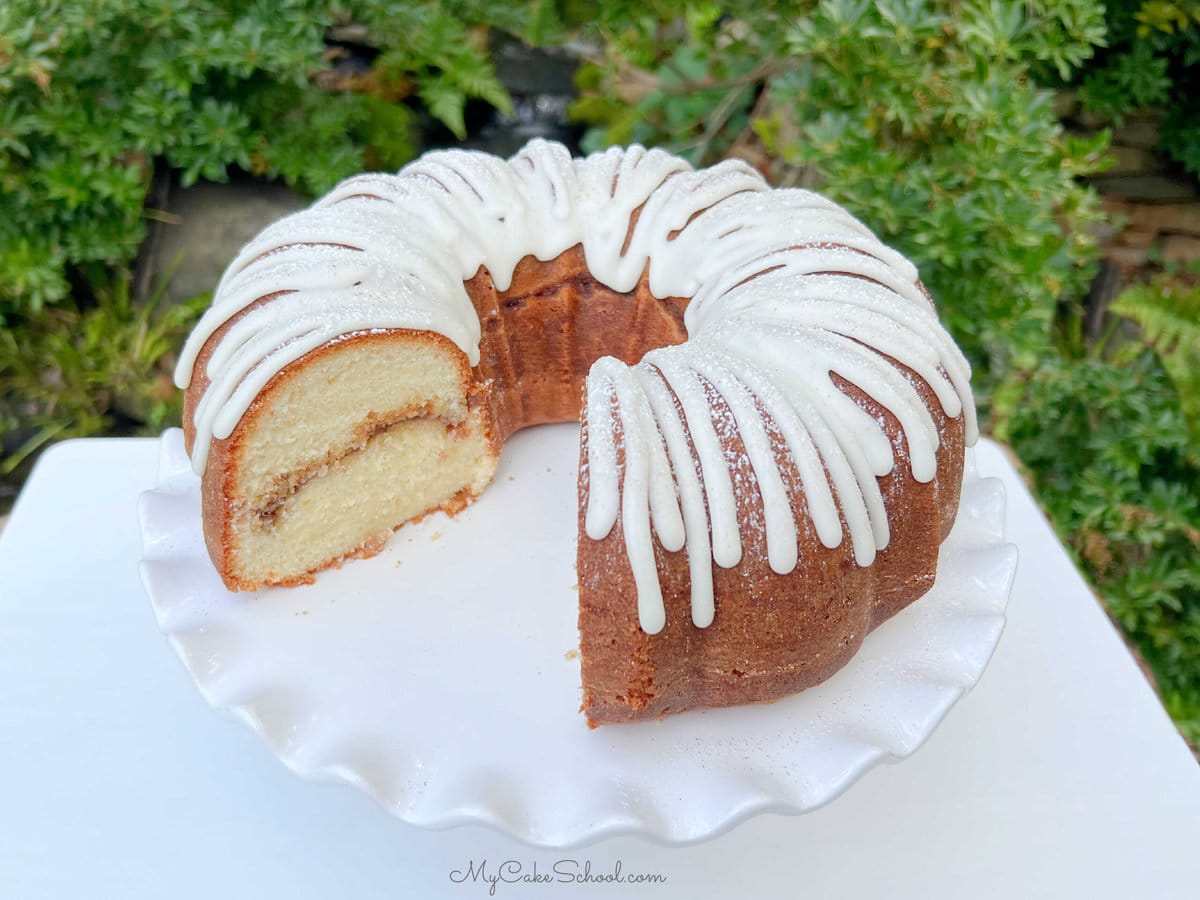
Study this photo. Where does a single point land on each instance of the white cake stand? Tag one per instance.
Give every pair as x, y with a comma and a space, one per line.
442, 677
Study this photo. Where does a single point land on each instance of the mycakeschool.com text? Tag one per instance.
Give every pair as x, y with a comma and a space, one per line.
495, 875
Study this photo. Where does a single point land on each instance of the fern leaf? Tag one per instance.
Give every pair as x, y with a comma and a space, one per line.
1168, 314
446, 103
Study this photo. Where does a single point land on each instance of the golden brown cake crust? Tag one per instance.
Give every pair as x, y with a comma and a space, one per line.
541, 336
773, 634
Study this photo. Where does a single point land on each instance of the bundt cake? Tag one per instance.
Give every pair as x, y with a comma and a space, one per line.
761, 383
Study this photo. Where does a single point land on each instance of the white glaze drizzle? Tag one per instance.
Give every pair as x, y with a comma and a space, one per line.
786, 289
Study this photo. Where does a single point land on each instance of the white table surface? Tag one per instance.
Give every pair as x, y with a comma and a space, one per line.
1058, 776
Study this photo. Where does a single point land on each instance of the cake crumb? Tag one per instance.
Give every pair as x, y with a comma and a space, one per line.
436, 536
398, 563
571, 654
575, 587
512, 477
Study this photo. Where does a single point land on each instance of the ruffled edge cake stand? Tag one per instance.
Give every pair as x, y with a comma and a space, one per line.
442, 676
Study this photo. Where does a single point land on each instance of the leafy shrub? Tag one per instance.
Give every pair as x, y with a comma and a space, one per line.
91, 94
87, 370
1152, 60
920, 117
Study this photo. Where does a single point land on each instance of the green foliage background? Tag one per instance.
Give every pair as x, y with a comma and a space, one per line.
1151, 59
927, 118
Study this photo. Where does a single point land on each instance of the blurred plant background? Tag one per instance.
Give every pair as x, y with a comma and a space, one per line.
1036, 159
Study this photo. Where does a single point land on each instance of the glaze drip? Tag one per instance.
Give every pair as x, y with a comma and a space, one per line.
786, 291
